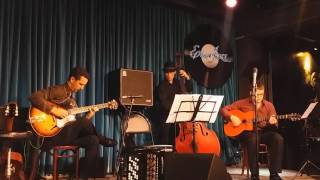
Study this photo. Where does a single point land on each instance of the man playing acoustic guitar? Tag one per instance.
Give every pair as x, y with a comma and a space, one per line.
266, 116
57, 101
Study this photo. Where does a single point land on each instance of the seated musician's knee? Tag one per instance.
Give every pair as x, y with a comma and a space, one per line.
278, 138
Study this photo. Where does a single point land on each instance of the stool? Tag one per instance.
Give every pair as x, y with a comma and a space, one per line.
57, 155
263, 155
263, 151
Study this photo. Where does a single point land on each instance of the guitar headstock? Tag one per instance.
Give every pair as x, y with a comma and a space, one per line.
11, 110
113, 104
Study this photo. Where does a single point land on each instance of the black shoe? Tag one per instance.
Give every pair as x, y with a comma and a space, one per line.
254, 177
275, 177
107, 142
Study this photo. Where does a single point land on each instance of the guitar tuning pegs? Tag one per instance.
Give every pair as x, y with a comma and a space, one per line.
7, 111
16, 112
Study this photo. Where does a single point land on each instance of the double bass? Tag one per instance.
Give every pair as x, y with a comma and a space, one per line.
195, 137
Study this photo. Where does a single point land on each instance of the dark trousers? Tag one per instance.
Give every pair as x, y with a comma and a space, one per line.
80, 133
168, 133
273, 140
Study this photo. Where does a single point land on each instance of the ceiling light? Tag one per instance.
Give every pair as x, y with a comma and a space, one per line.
231, 3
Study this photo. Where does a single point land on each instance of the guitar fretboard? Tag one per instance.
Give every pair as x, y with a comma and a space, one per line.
83, 109
285, 116
292, 116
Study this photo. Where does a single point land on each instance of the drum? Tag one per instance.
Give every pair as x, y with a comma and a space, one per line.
137, 123
147, 162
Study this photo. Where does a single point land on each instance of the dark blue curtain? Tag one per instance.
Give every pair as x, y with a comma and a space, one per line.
41, 40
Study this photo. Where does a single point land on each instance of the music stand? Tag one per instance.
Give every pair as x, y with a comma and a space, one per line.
305, 116
194, 108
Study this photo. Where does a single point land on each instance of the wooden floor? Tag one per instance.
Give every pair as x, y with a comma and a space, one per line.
264, 174
236, 175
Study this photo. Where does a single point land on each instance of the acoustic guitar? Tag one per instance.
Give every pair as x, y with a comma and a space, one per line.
11, 162
247, 122
48, 125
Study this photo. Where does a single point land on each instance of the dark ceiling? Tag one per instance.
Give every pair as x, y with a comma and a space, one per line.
293, 21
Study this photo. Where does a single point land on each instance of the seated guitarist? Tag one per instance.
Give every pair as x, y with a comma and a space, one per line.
55, 100
266, 117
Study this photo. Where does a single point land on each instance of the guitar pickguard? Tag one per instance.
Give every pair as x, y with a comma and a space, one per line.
62, 122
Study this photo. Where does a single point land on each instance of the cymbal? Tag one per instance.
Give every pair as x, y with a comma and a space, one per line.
208, 56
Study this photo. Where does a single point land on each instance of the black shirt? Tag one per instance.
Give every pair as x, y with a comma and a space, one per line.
167, 92
46, 99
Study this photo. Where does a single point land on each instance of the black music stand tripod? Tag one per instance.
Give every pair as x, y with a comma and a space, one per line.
307, 162
306, 127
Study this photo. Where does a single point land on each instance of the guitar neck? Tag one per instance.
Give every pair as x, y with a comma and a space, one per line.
292, 116
83, 109
284, 116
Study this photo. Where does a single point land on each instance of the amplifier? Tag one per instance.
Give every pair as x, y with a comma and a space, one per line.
131, 87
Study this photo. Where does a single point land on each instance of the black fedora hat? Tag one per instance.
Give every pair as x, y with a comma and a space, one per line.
169, 67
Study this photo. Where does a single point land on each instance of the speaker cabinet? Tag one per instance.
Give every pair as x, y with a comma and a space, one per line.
194, 166
156, 165
131, 87
97, 171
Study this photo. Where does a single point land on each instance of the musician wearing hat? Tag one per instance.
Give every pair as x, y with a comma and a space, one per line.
167, 90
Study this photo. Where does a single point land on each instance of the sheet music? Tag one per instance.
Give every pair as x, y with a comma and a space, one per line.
183, 106
309, 110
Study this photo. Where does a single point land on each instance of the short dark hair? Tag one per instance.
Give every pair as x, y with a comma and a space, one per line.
77, 72
260, 85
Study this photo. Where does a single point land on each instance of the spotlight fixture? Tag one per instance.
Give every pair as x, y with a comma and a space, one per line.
231, 3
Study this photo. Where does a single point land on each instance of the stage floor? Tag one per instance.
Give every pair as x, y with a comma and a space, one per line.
236, 175
264, 174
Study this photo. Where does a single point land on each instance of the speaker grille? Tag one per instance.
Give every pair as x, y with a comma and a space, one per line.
131, 87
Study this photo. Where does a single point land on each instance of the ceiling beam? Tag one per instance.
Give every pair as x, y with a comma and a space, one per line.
201, 7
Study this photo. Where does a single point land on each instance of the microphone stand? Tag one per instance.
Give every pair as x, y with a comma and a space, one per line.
124, 125
255, 124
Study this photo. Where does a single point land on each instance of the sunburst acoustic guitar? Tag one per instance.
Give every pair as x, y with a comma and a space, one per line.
247, 122
48, 125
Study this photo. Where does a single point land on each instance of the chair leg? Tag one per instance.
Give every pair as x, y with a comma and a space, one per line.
55, 165
56, 156
77, 164
34, 164
245, 160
